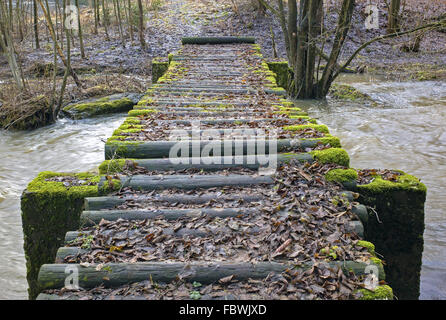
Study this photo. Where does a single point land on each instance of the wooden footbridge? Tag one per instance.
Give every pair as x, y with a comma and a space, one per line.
217, 187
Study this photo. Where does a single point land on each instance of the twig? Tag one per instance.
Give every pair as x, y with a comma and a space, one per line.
376, 214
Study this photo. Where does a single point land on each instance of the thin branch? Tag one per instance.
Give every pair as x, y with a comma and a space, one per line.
270, 8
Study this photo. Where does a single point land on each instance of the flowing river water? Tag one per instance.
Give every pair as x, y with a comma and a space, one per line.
406, 131
67, 146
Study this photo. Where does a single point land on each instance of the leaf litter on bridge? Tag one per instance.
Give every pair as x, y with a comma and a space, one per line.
302, 219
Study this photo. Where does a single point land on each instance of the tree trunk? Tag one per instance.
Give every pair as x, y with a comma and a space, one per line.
58, 106
330, 70
7, 46
59, 50
303, 46
19, 18
81, 40
129, 19
105, 19
36, 24
96, 14
118, 17
11, 16
393, 18
141, 25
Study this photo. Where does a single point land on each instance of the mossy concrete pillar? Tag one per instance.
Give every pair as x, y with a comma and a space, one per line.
159, 68
50, 208
395, 225
397, 230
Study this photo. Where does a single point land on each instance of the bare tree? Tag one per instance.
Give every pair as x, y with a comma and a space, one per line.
302, 31
36, 24
7, 44
141, 25
105, 18
79, 26
58, 48
393, 24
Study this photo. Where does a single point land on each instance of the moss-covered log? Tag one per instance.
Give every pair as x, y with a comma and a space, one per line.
94, 107
109, 202
49, 210
89, 218
205, 163
112, 275
170, 149
187, 182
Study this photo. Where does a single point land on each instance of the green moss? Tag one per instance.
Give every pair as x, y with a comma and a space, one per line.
86, 241
383, 292
301, 117
283, 111
114, 166
318, 127
368, 245
127, 126
117, 139
404, 182
98, 107
331, 253
277, 89
281, 71
377, 261
287, 108
141, 112
159, 68
286, 102
347, 92
304, 117
256, 47
118, 147
49, 210
272, 80
332, 155
174, 72
341, 175
132, 121
40, 185
398, 233
120, 132
109, 186
333, 141
145, 101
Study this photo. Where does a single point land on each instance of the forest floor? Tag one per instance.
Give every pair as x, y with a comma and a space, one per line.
113, 66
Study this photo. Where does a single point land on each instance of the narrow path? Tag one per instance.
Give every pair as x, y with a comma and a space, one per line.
229, 218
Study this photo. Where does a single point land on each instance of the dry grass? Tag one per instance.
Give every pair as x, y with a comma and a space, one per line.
32, 108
